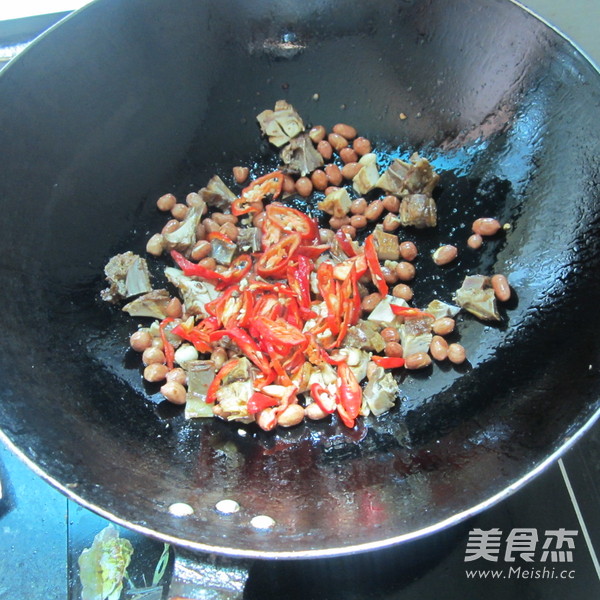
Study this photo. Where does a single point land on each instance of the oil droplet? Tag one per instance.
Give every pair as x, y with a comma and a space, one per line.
181, 509
262, 522
227, 506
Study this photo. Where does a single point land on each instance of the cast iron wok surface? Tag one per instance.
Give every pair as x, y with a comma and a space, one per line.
126, 100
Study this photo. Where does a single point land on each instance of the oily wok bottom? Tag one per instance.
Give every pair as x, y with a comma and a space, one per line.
125, 101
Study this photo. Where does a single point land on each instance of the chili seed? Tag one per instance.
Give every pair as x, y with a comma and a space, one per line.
438, 348
166, 202
443, 326
346, 131
456, 354
240, 174
445, 255
317, 134
420, 360
501, 287
486, 226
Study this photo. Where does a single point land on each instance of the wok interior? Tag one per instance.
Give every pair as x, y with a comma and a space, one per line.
128, 100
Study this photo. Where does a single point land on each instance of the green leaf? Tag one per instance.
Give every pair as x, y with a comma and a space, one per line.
103, 566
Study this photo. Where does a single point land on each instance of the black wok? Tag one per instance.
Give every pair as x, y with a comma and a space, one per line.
128, 99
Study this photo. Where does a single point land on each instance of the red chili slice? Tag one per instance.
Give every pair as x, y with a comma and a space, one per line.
290, 219
274, 261
269, 184
388, 362
374, 266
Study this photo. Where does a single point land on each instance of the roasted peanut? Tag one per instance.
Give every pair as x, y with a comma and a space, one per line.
350, 170
406, 271
314, 412
317, 133
438, 348
443, 326
348, 155
174, 392
389, 275
475, 241
155, 372
289, 185
420, 360
140, 340
349, 230
324, 149
155, 245
338, 222
174, 309
361, 146
358, 221
153, 355
177, 374
391, 222
319, 179
201, 250
358, 206
371, 301
445, 254
390, 334
393, 349
230, 230
304, 187
193, 199
166, 202
408, 251
291, 416
391, 203
334, 175
170, 226
456, 354
501, 287
374, 210
179, 211
486, 226
402, 291
218, 356
346, 131
337, 141
208, 263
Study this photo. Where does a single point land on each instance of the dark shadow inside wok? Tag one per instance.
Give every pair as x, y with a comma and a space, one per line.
127, 100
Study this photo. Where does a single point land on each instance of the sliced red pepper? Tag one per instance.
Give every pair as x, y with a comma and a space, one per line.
289, 219
259, 401
217, 235
329, 291
313, 252
274, 261
211, 393
341, 271
238, 269
388, 362
322, 397
345, 242
199, 335
246, 344
409, 311
269, 184
374, 266
215, 307
349, 395
279, 332
167, 346
298, 275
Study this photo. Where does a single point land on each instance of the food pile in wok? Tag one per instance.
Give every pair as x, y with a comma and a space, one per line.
270, 318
